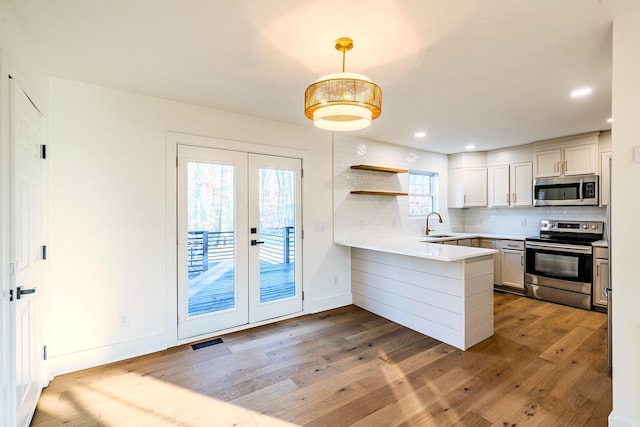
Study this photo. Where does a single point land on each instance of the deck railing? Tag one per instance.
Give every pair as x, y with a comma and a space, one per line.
279, 245
204, 248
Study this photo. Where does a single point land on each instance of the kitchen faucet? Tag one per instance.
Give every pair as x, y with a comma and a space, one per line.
427, 224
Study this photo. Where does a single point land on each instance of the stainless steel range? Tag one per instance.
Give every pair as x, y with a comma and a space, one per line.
559, 262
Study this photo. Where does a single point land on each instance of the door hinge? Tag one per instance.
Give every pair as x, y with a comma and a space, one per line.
302, 234
176, 162
44, 252
301, 173
44, 353
302, 295
10, 295
43, 152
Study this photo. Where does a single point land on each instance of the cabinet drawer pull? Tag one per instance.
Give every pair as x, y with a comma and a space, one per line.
514, 197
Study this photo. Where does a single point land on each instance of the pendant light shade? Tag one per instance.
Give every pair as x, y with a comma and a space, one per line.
343, 101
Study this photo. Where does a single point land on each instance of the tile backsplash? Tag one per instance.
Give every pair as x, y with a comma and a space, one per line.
520, 221
355, 214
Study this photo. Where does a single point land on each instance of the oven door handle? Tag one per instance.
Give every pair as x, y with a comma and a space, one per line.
577, 249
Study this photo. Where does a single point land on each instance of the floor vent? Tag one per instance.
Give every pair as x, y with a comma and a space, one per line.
204, 344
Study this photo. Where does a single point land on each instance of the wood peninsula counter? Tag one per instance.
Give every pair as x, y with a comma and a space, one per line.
443, 291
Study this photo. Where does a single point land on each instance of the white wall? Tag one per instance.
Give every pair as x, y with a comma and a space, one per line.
625, 233
108, 245
376, 215
19, 59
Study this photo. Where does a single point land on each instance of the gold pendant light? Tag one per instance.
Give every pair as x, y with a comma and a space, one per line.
343, 101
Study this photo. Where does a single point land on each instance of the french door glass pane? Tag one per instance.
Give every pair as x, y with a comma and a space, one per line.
211, 243
277, 210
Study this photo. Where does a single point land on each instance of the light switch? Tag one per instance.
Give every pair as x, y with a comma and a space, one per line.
636, 154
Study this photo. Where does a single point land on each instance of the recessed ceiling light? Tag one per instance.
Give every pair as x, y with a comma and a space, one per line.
610, 120
578, 93
470, 147
420, 134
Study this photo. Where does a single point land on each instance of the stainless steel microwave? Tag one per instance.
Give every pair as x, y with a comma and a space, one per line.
578, 190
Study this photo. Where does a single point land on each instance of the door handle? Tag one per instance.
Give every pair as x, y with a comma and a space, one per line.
606, 291
256, 242
20, 291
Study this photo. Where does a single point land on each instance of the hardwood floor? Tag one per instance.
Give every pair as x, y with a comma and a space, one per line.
546, 365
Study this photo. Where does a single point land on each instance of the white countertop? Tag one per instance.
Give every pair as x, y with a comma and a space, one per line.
413, 246
601, 244
458, 236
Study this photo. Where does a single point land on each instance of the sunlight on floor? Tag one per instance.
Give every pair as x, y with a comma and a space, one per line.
145, 400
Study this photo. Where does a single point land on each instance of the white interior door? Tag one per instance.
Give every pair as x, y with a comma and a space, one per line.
238, 239
28, 224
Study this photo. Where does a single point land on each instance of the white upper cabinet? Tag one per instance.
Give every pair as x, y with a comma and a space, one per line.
498, 183
467, 187
604, 177
566, 156
467, 180
510, 185
581, 159
521, 184
547, 162
604, 147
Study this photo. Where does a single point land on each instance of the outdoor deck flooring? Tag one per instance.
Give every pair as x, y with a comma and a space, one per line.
213, 290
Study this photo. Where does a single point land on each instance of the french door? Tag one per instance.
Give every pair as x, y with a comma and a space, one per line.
239, 246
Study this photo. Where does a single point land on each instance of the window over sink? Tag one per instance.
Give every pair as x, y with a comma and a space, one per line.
423, 193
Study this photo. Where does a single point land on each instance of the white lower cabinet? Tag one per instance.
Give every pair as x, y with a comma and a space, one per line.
497, 271
508, 263
600, 276
511, 263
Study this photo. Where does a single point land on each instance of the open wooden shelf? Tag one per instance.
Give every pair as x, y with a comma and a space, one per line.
379, 193
379, 169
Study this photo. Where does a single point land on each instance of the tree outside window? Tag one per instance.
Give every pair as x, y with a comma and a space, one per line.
423, 193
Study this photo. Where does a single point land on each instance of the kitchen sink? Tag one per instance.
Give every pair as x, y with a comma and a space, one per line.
437, 237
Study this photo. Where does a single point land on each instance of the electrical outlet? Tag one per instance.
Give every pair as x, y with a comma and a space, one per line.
123, 319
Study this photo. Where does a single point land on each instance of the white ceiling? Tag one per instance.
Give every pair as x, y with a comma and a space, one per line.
493, 73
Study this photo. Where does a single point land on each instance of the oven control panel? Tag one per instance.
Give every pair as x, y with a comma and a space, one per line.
560, 226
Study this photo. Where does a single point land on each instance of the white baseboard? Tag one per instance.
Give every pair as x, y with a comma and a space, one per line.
617, 422
63, 364
335, 301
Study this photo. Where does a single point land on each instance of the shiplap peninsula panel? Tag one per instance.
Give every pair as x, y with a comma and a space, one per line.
449, 301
